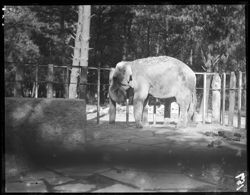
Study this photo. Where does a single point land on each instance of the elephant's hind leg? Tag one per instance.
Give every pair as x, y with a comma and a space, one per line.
145, 112
184, 104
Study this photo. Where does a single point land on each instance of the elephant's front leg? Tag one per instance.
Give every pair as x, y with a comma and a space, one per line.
138, 109
112, 111
140, 95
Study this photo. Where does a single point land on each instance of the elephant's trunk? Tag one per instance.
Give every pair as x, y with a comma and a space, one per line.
117, 94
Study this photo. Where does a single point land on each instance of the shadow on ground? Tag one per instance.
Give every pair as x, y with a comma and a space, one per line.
121, 158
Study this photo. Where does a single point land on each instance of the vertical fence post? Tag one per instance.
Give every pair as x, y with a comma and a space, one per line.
127, 110
19, 80
36, 82
204, 98
244, 93
239, 99
83, 84
154, 112
223, 98
216, 98
231, 98
98, 94
50, 81
66, 85
112, 104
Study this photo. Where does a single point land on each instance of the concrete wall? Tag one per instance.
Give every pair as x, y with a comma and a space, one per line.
44, 126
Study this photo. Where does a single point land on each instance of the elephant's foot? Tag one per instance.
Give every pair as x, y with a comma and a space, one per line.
181, 124
192, 124
146, 124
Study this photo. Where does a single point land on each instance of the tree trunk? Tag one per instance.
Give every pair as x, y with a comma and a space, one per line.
191, 57
66, 73
125, 45
84, 50
76, 58
148, 40
157, 45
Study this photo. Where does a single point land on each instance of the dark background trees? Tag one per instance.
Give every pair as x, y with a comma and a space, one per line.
194, 34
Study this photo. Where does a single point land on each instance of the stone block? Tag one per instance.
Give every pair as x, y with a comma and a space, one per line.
45, 125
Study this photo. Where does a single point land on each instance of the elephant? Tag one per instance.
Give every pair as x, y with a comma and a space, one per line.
161, 77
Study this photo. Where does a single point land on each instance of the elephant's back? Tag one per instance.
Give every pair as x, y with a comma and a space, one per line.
155, 66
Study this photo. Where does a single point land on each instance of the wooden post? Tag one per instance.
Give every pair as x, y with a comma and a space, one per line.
204, 99
243, 103
154, 114
83, 81
239, 99
98, 94
36, 82
112, 104
18, 81
223, 98
231, 98
127, 110
83, 84
216, 98
66, 84
50, 81
243, 84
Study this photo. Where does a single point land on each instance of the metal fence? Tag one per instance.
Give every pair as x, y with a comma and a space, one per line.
48, 81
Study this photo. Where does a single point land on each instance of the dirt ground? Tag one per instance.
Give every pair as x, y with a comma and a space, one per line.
157, 158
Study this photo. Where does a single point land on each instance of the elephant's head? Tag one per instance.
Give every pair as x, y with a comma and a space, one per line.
120, 80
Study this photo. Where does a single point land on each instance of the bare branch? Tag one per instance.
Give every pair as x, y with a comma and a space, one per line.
217, 58
204, 68
92, 15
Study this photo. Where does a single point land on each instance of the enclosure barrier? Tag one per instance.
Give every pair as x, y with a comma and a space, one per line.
45, 125
50, 81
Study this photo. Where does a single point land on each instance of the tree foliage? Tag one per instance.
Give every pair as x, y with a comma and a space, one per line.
19, 24
194, 34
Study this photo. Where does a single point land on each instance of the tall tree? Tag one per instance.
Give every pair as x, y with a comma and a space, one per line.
19, 25
44, 33
81, 48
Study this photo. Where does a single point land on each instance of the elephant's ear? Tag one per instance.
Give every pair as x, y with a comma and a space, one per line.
131, 79
111, 73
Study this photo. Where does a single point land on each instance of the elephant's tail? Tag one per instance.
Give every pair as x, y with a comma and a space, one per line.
194, 99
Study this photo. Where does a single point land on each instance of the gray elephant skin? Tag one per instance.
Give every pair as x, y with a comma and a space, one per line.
161, 77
